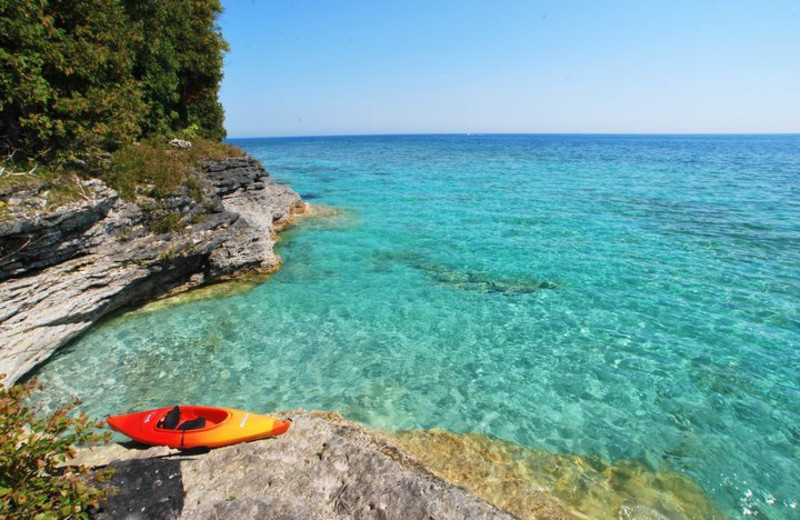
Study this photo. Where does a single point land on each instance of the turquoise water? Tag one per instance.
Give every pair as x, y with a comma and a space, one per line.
618, 296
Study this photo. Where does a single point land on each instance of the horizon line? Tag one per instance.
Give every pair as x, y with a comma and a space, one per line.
466, 134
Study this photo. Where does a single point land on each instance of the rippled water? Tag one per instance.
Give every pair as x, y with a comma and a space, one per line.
619, 297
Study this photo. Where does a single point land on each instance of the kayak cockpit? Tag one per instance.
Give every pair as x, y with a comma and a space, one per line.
192, 418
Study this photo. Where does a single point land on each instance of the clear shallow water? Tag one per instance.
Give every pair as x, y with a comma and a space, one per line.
626, 297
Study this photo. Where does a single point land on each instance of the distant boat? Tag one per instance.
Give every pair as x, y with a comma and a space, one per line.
185, 427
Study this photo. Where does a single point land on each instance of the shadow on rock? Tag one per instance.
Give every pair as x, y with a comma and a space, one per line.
146, 489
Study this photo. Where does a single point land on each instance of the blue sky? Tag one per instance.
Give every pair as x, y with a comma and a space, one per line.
326, 67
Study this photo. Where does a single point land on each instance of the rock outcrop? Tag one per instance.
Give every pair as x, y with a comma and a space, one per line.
63, 269
322, 468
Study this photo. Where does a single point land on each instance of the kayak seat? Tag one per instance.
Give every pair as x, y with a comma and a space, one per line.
172, 419
193, 424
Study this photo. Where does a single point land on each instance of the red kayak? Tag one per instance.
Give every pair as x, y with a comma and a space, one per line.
186, 427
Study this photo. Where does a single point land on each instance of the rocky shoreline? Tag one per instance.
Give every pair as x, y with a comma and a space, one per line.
324, 467
63, 269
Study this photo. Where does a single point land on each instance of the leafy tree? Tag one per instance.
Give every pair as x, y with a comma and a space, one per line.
23, 88
157, 64
66, 77
201, 70
82, 76
179, 62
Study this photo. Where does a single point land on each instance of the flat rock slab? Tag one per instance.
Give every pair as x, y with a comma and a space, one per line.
322, 468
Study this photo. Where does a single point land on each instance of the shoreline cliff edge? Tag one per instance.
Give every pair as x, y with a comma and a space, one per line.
62, 269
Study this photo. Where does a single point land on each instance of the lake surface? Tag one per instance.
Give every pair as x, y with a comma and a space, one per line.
622, 297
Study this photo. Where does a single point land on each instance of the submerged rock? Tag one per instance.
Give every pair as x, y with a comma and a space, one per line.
531, 483
469, 281
63, 269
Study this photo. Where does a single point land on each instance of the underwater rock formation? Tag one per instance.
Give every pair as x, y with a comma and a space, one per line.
468, 281
536, 484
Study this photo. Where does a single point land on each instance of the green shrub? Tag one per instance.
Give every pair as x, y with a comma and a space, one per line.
149, 162
210, 149
33, 482
153, 162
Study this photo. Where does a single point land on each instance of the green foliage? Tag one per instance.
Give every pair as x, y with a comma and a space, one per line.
179, 62
33, 481
66, 77
212, 149
161, 169
150, 162
82, 76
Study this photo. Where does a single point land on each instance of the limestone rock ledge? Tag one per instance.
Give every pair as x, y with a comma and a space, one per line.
63, 269
322, 468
